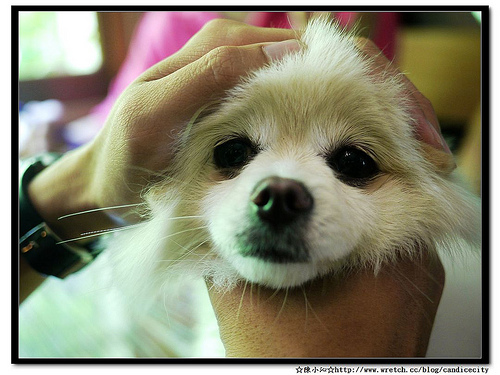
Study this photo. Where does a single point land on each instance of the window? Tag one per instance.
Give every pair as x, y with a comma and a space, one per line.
55, 44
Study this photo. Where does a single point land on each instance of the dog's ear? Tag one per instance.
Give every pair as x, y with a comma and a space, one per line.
443, 162
458, 211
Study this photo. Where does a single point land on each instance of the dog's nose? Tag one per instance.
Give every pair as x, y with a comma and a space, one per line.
279, 201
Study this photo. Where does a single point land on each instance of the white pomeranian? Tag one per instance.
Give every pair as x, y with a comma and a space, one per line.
309, 166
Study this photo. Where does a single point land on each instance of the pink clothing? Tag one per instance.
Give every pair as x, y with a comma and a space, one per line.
161, 34
278, 20
157, 36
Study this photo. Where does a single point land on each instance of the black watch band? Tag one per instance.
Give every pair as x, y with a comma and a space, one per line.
29, 217
38, 244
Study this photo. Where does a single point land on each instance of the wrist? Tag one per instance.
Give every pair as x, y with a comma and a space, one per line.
64, 188
46, 190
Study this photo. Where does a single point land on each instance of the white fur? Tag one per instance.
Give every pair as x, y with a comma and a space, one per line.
297, 110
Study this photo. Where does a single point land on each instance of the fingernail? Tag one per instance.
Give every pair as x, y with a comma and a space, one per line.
276, 51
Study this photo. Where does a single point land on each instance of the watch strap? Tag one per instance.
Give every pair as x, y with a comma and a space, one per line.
29, 169
44, 251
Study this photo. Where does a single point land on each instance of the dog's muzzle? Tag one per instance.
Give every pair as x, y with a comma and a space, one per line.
279, 208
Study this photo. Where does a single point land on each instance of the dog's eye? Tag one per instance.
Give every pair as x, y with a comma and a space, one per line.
233, 154
353, 165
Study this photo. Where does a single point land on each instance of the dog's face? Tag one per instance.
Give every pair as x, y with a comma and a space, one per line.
303, 172
308, 165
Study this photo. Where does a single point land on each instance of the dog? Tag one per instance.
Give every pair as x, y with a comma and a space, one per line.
310, 166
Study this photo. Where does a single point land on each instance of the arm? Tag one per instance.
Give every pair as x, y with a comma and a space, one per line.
134, 143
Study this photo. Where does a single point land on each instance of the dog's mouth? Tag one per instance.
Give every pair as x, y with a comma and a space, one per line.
274, 252
279, 209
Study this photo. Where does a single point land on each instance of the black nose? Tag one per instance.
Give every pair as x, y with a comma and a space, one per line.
279, 201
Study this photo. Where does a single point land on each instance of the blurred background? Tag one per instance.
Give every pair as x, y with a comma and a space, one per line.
72, 67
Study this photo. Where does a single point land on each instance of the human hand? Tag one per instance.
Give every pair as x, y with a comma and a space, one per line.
358, 314
136, 142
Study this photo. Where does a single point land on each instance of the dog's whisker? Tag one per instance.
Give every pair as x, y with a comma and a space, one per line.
306, 307
178, 260
428, 273
272, 295
187, 253
241, 301
185, 217
405, 280
415, 286
207, 254
184, 231
198, 246
282, 306
98, 233
99, 209
309, 307
251, 294
202, 260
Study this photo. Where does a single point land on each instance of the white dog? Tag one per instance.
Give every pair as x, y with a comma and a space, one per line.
309, 166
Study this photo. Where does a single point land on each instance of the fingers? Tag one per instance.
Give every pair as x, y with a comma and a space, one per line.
426, 122
224, 66
207, 78
214, 34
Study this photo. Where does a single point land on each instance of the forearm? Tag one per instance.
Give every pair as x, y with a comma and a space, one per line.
66, 187
362, 315
62, 188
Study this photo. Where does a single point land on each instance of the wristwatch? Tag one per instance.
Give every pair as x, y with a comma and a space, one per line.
38, 244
